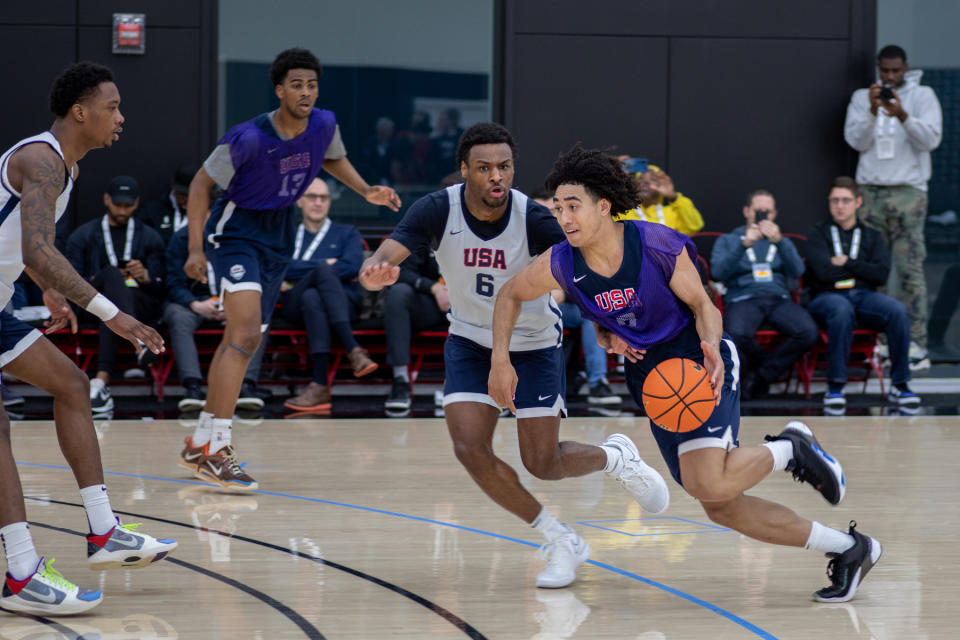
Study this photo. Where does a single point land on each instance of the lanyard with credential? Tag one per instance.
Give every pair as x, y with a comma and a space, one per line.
108, 242
771, 254
312, 247
662, 219
854, 243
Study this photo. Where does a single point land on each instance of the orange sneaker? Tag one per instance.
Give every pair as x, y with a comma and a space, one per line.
224, 469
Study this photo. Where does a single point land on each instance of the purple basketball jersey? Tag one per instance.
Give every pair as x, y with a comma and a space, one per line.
648, 312
272, 173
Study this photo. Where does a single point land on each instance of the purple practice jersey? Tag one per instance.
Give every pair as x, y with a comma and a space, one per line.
636, 303
272, 173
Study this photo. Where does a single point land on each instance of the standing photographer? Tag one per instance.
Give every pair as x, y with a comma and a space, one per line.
895, 124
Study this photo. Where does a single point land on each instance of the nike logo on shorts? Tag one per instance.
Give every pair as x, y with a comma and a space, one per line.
714, 429
544, 397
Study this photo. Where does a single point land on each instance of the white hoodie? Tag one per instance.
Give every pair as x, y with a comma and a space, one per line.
913, 140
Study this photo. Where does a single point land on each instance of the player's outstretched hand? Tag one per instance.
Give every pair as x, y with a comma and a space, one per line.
196, 266
502, 383
612, 343
139, 334
377, 276
61, 314
714, 365
384, 196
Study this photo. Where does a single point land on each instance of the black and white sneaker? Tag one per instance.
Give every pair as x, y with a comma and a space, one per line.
399, 398
601, 393
848, 569
834, 403
192, 396
100, 399
906, 400
811, 464
249, 399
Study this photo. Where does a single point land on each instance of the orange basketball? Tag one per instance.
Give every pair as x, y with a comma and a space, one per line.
677, 395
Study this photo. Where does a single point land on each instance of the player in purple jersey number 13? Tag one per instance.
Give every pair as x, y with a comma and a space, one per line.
591, 187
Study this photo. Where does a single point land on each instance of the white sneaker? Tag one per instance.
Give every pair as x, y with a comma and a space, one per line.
100, 399
919, 359
47, 592
563, 556
124, 547
648, 487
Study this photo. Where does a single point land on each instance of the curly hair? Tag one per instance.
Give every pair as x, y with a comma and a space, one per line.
600, 174
76, 83
484, 133
296, 58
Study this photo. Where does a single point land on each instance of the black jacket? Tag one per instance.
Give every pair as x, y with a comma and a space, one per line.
868, 271
85, 251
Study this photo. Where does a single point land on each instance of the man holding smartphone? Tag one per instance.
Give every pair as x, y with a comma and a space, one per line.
895, 124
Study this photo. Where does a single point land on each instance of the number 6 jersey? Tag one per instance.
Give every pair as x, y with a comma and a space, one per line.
476, 258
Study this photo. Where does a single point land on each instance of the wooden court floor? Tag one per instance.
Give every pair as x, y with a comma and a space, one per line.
371, 529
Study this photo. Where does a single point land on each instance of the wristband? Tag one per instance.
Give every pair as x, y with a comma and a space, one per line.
101, 307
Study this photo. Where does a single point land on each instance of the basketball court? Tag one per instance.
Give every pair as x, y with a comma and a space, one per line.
371, 529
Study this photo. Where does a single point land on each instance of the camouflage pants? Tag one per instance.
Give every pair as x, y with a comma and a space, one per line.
899, 212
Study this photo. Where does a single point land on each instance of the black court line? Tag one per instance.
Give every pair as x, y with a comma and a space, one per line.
456, 621
308, 629
63, 629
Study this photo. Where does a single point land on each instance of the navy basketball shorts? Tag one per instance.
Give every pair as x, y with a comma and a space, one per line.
542, 377
243, 266
16, 337
722, 428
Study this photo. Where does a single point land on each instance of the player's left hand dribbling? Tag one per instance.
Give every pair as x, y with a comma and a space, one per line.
714, 365
61, 314
377, 276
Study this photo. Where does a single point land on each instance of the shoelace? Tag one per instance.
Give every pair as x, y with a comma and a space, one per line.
132, 527
234, 464
56, 577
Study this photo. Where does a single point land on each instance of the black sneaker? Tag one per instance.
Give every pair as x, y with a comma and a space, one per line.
812, 464
399, 397
601, 393
192, 395
249, 399
848, 569
263, 393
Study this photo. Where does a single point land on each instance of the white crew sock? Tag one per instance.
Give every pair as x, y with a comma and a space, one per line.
220, 436
782, 451
614, 459
99, 513
201, 435
828, 540
401, 372
549, 526
22, 558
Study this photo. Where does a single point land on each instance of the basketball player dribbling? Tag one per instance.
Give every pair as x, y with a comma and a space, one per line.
483, 232
263, 166
37, 176
637, 281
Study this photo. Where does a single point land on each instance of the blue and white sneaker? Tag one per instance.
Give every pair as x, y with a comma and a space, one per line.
648, 487
906, 400
123, 547
812, 464
46, 592
834, 403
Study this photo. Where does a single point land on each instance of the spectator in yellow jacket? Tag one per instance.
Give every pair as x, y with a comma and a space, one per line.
661, 202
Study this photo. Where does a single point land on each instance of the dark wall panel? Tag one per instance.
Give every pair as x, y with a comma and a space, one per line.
168, 13
725, 18
567, 89
768, 114
28, 71
46, 13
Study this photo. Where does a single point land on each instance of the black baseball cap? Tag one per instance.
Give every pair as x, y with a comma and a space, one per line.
182, 177
123, 190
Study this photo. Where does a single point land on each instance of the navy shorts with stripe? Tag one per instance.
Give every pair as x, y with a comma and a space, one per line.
541, 389
15, 337
722, 428
243, 266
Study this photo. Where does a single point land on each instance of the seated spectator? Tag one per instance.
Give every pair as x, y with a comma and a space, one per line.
847, 261
124, 261
442, 156
322, 292
380, 156
416, 302
661, 202
594, 356
169, 214
191, 305
755, 263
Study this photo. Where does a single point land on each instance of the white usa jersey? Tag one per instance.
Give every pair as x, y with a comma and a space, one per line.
11, 255
474, 269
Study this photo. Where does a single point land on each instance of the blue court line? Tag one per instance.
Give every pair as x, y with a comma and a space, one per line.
732, 617
647, 535
708, 527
